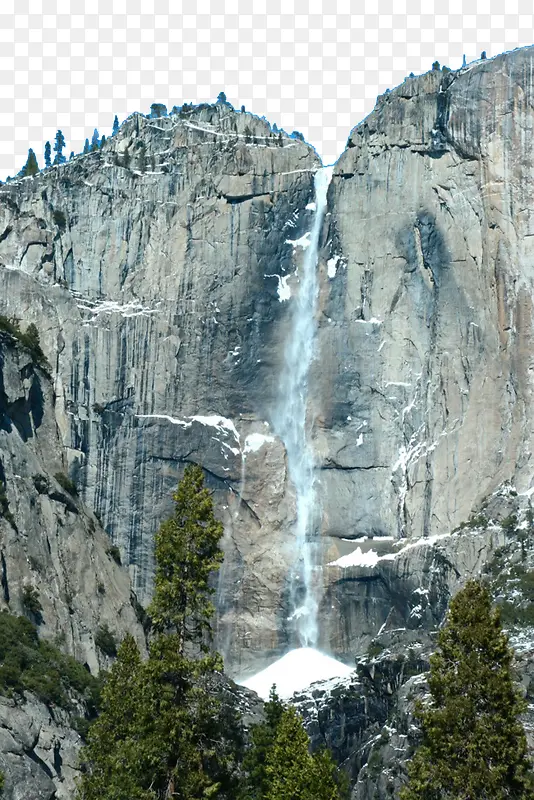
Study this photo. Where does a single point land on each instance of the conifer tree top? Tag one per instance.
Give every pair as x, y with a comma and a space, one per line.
473, 744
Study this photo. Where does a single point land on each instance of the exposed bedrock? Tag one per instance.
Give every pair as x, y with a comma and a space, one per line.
161, 271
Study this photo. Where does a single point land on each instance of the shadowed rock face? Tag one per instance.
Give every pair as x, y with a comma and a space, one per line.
48, 539
153, 270
51, 542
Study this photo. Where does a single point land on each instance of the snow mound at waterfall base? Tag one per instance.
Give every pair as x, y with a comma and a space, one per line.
296, 671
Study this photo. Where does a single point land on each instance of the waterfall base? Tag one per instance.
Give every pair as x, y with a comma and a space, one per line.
295, 671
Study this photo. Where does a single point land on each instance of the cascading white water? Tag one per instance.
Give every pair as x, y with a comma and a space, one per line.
290, 421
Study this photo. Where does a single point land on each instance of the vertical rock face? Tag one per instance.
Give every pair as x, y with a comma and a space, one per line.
424, 381
424, 375
48, 540
160, 272
54, 556
156, 272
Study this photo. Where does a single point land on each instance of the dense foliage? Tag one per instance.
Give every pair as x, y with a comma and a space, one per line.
279, 766
31, 664
473, 744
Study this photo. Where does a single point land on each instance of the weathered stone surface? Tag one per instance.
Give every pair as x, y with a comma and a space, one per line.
153, 270
49, 539
38, 751
423, 378
156, 296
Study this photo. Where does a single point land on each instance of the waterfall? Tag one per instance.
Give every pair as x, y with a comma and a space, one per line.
290, 422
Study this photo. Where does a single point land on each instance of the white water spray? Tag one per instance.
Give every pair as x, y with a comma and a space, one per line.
291, 425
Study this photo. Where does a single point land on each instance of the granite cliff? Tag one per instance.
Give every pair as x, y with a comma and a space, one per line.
161, 273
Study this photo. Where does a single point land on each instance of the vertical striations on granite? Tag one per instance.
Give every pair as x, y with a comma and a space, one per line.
156, 270
160, 272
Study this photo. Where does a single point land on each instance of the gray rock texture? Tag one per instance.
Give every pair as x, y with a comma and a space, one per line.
51, 542
152, 270
423, 376
38, 751
157, 271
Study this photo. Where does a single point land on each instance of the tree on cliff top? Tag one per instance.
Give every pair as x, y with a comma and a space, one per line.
473, 744
31, 167
59, 145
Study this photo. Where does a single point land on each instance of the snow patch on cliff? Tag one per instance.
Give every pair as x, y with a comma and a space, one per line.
331, 266
222, 424
254, 441
303, 242
358, 558
295, 671
284, 289
370, 558
131, 309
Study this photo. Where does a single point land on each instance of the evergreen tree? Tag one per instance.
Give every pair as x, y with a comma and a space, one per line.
158, 110
187, 551
162, 731
294, 774
86, 147
48, 155
95, 142
71, 155
473, 745
263, 735
278, 765
115, 738
102, 142
115, 126
59, 144
31, 167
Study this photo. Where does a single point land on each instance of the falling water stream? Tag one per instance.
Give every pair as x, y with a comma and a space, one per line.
291, 424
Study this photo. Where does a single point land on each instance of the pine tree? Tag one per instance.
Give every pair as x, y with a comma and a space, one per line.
158, 110
180, 704
115, 738
473, 745
31, 167
263, 735
164, 733
71, 155
59, 144
115, 126
95, 141
86, 147
187, 551
48, 155
294, 774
